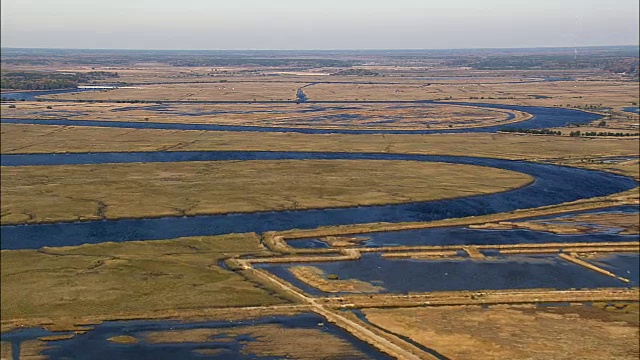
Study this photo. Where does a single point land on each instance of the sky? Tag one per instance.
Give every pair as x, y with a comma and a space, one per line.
320, 24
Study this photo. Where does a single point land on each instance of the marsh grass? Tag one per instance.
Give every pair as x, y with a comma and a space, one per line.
355, 116
568, 332
271, 340
34, 194
127, 279
510, 89
19, 139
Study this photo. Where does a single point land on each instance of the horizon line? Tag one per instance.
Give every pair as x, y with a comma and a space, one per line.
328, 49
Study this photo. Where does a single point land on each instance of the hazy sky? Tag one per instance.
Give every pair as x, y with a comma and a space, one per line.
320, 24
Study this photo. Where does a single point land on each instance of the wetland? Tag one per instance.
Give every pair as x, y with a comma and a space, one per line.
241, 211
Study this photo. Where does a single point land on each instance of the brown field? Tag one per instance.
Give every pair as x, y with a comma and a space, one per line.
110, 191
47, 139
271, 340
516, 332
611, 92
229, 91
605, 91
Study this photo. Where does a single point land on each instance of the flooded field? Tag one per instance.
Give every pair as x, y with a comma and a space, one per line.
306, 336
556, 331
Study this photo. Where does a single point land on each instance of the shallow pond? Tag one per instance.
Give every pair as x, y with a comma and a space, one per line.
495, 273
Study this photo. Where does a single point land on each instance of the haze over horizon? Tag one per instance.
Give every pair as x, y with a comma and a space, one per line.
326, 25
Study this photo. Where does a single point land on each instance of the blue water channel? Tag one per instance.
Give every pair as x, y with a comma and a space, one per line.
404, 275
553, 185
463, 235
94, 344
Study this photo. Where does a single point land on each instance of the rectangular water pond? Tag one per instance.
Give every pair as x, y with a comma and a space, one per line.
406, 275
463, 235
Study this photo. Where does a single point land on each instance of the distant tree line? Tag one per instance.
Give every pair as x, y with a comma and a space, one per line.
601, 133
577, 133
533, 131
491, 98
33, 80
626, 62
244, 61
356, 72
176, 58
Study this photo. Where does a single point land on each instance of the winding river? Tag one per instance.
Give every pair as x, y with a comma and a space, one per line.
543, 117
553, 185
